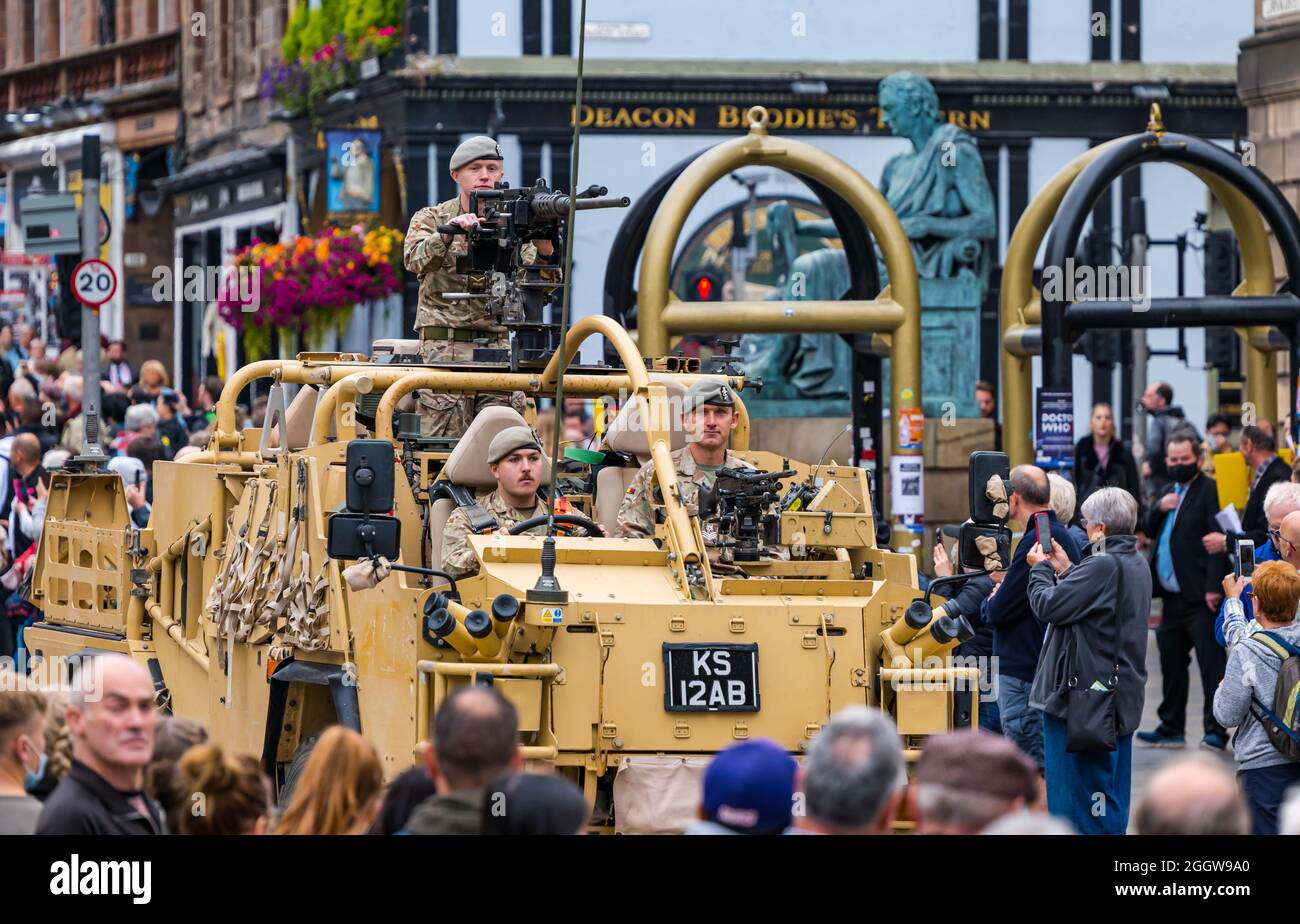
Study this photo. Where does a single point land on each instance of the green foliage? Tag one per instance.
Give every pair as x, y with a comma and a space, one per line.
362, 14
310, 30
291, 46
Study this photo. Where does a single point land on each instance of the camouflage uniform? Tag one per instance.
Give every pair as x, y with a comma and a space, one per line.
459, 560
636, 515
425, 254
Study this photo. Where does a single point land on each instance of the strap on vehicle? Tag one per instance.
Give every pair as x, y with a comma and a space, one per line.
480, 521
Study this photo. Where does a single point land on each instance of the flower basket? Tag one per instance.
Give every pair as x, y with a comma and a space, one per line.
310, 287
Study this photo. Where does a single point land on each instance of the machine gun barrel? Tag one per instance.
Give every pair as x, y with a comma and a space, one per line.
556, 205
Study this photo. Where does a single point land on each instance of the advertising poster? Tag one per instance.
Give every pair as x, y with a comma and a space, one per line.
1054, 443
907, 486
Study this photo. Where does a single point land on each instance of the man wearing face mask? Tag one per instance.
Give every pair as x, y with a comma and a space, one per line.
1187, 573
22, 756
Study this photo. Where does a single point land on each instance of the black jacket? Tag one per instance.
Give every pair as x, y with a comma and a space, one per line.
85, 803
1017, 638
1198, 572
1090, 628
1254, 525
967, 601
1090, 476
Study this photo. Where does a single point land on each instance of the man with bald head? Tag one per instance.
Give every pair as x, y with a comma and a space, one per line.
1195, 795
111, 717
1017, 635
475, 740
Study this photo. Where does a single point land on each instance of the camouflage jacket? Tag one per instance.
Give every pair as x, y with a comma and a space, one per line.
636, 515
459, 560
434, 262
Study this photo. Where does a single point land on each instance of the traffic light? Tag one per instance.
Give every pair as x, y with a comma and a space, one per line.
1221, 275
1222, 347
704, 286
1223, 350
1101, 347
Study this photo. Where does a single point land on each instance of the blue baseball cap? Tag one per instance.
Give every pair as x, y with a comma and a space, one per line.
749, 787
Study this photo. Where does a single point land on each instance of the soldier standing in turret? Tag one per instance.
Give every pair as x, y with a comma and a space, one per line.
448, 329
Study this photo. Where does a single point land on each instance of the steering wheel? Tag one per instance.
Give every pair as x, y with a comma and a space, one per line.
561, 519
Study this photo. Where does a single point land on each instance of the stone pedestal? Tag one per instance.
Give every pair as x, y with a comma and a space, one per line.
950, 345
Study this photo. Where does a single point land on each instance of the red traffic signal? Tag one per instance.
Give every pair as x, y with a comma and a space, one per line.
704, 287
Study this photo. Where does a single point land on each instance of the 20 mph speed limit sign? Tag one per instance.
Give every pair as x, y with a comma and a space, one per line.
93, 282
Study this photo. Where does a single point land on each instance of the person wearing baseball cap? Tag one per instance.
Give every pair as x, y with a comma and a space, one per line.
748, 789
709, 418
965, 780
447, 329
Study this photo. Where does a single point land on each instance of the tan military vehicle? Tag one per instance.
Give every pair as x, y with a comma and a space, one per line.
628, 659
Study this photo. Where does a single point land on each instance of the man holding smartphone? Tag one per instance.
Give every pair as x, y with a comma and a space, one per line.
1017, 635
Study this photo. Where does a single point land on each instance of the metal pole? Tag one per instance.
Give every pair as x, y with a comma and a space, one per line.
90, 371
1138, 258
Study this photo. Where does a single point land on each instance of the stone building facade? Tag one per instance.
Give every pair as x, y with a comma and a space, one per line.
108, 67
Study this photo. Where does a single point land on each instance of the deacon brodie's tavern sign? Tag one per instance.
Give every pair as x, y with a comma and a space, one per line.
729, 117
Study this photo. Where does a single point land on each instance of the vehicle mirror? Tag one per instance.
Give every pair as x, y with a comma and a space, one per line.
986, 509
370, 476
356, 536
984, 548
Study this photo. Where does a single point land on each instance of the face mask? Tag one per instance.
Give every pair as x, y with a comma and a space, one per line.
31, 778
1183, 473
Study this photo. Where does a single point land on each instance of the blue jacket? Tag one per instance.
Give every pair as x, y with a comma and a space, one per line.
1266, 552
1017, 635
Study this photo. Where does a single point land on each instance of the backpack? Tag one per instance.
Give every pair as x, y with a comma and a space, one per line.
1282, 722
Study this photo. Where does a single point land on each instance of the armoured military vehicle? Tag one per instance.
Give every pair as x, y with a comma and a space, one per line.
627, 658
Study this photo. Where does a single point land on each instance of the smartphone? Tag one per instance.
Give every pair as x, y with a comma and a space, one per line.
20, 490
1043, 529
1245, 557
938, 536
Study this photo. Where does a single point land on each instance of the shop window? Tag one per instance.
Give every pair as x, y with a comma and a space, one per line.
29, 12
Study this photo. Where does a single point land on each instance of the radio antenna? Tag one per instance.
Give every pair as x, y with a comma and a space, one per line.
812, 472
547, 582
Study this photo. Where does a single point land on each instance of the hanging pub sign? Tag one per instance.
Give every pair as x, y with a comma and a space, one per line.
352, 170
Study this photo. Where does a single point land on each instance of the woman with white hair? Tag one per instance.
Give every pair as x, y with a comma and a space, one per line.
1062, 504
1091, 676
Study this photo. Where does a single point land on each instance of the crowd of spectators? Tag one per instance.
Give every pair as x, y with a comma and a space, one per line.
1139, 542
143, 419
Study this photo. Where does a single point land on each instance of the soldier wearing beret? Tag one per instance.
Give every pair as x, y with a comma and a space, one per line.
448, 329
515, 457
709, 416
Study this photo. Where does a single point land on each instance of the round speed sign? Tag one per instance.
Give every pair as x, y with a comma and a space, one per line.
93, 282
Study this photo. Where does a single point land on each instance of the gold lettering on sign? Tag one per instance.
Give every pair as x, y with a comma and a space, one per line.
979, 120
637, 117
729, 116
